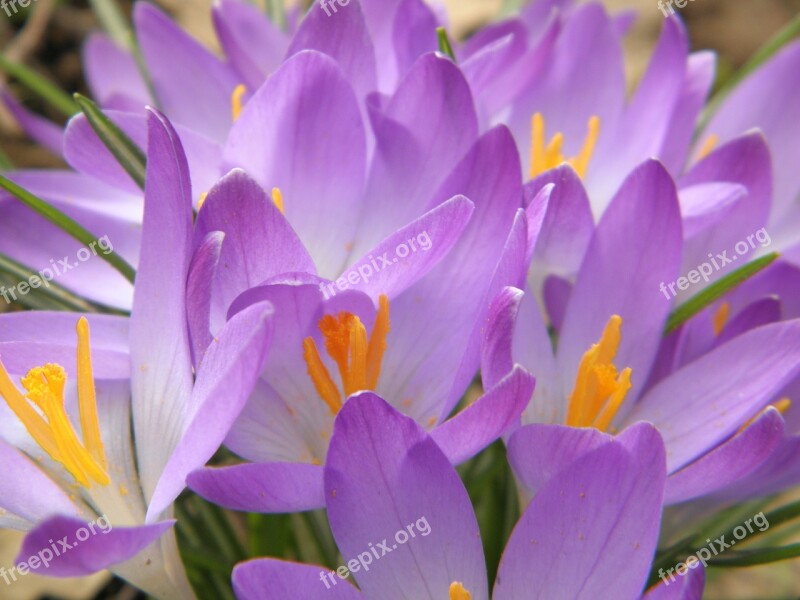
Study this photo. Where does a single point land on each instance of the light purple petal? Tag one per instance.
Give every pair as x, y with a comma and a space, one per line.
416, 150
111, 71
592, 530
708, 400
745, 161
492, 415
47, 133
441, 227
567, 227
729, 462
259, 241
313, 148
252, 43
384, 475
496, 347
100, 550
271, 579
193, 86
538, 453
202, 270
345, 38
688, 587
225, 378
161, 359
262, 487
27, 492
637, 245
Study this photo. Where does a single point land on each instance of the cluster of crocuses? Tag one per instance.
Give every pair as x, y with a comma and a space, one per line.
554, 207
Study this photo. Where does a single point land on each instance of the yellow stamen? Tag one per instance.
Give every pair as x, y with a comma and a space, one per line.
277, 200
357, 358
599, 390
544, 158
377, 343
708, 146
320, 376
87, 399
52, 429
459, 592
720, 317
237, 103
202, 200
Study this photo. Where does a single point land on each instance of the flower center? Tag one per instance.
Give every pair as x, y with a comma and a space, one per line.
50, 426
546, 157
599, 390
458, 592
358, 359
237, 101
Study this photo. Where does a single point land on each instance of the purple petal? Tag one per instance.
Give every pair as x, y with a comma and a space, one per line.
313, 150
101, 549
271, 579
746, 162
637, 246
688, 587
441, 226
709, 399
259, 241
491, 416
192, 85
602, 512
647, 119
538, 453
729, 462
567, 227
86, 153
262, 487
161, 378
198, 292
767, 99
496, 348
111, 72
225, 378
344, 38
385, 475
416, 150
27, 492
252, 43
47, 133
707, 204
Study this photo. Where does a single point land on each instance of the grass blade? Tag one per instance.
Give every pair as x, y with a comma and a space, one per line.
716, 290
128, 154
40, 86
65, 223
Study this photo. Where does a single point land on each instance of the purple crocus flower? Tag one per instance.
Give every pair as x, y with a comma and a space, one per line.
352, 312
134, 374
610, 327
590, 532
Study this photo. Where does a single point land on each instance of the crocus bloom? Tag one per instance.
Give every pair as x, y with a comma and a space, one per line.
134, 374
610, 327
426, 308
590, 532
